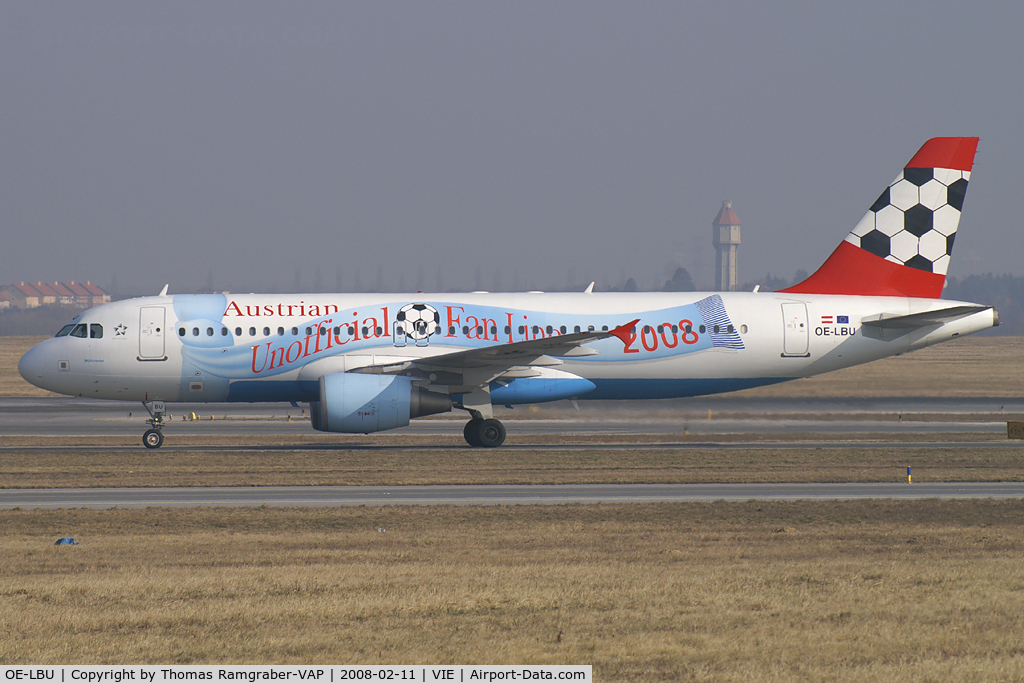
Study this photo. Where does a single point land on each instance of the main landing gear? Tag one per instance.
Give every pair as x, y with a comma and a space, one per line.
154, 436
481, 433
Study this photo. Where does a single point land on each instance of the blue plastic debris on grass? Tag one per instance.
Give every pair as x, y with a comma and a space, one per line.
66, 541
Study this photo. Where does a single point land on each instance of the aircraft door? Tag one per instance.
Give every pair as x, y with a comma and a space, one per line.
796, 337
151, 333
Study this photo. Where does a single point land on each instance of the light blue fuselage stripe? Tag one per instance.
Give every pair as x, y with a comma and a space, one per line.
255, 391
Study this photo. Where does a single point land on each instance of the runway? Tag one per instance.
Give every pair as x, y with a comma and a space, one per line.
337, 496
708, 416
741, 423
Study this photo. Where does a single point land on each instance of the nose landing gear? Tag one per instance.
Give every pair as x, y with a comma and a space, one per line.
154, 436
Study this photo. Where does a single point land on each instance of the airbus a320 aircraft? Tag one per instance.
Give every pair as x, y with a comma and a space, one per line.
371, 362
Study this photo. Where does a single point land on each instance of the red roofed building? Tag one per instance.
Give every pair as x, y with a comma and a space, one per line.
65, 297
82, 295
98, 295
22, 295
26, 295
48, 297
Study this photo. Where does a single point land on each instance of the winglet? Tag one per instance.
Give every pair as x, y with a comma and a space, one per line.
163, 292
623, 332
589, 289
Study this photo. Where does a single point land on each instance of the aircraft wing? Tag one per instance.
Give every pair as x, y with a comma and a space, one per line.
493, 361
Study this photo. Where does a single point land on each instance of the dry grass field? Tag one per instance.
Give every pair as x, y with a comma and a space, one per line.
869, 591
812, 591
331, 465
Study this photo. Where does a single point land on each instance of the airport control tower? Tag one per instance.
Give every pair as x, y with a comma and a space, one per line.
726, 238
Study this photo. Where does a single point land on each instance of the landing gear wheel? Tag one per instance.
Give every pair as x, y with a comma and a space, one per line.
472, 432
153, 438
491, 434
488, 433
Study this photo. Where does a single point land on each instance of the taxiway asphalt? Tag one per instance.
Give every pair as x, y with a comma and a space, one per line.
708, 416
337, 496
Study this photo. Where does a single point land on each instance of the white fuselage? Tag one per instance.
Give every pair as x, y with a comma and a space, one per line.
274, 347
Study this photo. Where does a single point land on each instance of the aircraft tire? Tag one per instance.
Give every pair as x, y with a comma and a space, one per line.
153, 438
491, 433
472, 432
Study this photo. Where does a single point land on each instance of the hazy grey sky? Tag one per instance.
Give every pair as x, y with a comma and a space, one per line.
520, 144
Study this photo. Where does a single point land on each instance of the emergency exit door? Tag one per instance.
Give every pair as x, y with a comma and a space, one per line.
151, 333
796, 334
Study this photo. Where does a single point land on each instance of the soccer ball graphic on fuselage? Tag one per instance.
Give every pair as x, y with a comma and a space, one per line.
372, 362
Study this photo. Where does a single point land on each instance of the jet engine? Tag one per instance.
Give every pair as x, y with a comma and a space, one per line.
359, 404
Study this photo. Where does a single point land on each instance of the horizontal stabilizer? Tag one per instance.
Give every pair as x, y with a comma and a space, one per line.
890, 327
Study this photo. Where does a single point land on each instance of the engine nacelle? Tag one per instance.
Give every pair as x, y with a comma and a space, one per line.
359, 404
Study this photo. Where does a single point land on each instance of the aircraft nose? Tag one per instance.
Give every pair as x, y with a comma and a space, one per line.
33, 366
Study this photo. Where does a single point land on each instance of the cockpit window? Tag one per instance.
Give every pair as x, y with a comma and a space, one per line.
66, 330
95, 331
80, 331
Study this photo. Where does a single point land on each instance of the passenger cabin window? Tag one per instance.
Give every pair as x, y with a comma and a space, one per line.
223, 331
195, 331
280, 332
209, 331
252, 331
238, 331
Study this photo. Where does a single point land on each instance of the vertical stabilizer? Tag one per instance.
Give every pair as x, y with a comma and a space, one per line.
903, 244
